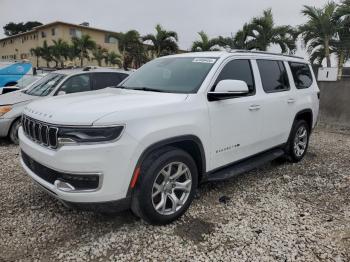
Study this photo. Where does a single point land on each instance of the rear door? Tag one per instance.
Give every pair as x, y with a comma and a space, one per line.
103, 80
279, 102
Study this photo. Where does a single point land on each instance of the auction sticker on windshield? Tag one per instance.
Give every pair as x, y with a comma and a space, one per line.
204, 60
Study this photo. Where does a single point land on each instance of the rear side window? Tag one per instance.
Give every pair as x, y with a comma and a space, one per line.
301, 74
273, 76
238, 70
103, 80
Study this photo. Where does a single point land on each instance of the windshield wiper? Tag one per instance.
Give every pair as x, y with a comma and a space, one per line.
145, 89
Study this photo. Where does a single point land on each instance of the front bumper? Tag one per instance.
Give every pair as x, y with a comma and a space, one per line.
5, 124
113, 161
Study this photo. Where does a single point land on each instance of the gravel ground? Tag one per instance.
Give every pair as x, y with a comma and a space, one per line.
279, 212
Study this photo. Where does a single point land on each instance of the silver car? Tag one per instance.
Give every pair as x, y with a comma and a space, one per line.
56, 83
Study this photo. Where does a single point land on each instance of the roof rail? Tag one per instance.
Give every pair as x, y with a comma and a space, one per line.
261, 52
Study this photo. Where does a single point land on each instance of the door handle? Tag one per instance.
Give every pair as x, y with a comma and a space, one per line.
291, 100
254, 107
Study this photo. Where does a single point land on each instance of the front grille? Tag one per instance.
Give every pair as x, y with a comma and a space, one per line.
40, 132
80, 182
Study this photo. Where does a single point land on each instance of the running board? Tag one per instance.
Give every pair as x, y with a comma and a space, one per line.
244, 166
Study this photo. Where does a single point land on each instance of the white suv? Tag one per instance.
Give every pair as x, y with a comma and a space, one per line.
176, 122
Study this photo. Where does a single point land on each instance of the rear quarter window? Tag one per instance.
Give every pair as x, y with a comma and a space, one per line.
301, 74
103, 80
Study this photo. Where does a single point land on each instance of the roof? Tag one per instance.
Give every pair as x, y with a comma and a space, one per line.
35, 29
220, 54
93, 69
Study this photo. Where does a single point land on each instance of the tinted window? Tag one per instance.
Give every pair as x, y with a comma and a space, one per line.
103, 80
273, 75
171, 74
238, 70
75, 84
301, 74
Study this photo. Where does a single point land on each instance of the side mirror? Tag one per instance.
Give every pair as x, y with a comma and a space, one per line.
227, 89
61, 93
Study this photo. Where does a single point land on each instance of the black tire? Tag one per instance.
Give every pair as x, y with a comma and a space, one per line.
143, 204
13, 133
293, 154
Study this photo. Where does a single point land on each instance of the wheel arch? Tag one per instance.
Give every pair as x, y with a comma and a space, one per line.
12, 123
189, 143
307, 115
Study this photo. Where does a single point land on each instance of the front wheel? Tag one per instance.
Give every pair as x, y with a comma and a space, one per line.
13, 134
298, 141
166, 187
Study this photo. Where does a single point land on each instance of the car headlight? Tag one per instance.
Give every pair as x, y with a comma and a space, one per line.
67, 135
5, 109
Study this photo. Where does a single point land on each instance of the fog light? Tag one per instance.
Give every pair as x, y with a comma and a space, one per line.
64, 186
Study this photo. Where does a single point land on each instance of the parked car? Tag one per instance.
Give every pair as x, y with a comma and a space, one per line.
57, 83
23, 84
12, 72
176, 122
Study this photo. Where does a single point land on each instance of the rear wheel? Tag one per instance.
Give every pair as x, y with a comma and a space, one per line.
13, 134
298, 141
166, 188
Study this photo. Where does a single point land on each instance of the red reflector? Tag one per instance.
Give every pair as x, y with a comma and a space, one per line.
135, 177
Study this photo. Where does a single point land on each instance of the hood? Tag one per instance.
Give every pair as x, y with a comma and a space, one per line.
86, 108
15, 98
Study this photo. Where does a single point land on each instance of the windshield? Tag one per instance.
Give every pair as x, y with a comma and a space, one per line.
27, 81
171, 74
45, 85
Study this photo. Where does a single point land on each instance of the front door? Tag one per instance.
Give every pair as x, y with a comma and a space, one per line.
235, 123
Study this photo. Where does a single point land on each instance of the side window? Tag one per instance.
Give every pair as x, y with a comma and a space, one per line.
238, 70
75, 84
301, 74
273, 76
103, 80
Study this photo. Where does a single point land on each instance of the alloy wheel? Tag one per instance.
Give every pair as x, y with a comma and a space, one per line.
171, 188
300, 141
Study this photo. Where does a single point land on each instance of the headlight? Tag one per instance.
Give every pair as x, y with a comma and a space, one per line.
67, 135
5, 109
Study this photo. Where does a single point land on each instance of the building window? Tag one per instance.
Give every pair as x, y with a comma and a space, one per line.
43, 34
110, 39
74, 32
53, 31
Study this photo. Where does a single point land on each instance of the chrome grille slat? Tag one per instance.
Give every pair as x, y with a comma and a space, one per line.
40, 132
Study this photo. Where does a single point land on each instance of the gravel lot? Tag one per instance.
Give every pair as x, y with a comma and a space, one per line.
280, 212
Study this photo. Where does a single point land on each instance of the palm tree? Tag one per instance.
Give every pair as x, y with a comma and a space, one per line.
37, 53
319, 30
99, 53
60, 51
73, 52
83, 45
112, 58
241, 39
262, 32
205, 44
341, 46
46, 53
132, 49
163, 42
